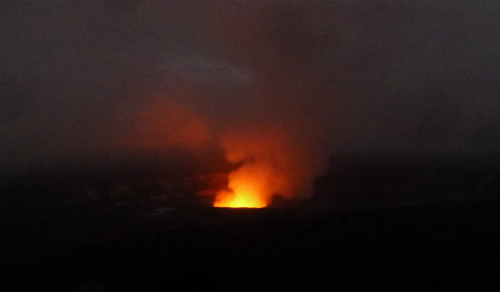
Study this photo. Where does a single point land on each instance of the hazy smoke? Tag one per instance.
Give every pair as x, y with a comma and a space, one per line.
278, 85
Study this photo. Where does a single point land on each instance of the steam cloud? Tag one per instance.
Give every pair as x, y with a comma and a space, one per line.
277, 85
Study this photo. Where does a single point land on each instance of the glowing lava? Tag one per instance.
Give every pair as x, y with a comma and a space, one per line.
238, 199
245, 190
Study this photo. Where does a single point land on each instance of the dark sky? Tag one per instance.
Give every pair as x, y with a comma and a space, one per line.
95, 77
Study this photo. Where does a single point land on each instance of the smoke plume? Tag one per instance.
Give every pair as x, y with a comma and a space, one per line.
277, 86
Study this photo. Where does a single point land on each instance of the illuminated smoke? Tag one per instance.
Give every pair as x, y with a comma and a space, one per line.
278, 135
305, 78
166, 124
273, 163
260, 101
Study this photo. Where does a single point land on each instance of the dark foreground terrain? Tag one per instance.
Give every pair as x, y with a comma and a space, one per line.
447, 246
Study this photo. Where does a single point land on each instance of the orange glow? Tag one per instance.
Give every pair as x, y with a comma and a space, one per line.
246, 188
260, 177
164, 123
273, 164
243, 197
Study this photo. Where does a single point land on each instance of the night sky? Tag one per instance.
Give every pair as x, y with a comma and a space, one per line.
96, 78
369, 128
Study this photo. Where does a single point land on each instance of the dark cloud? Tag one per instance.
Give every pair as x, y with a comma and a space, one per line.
377, 76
